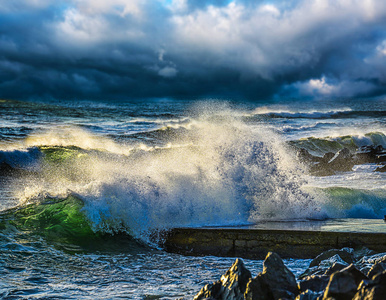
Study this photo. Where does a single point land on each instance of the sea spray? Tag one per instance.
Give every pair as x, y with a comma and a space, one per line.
216, 171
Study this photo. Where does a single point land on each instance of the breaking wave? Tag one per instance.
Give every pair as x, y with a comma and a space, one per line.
216, 172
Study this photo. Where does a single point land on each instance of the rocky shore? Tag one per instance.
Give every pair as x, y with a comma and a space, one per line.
340, 274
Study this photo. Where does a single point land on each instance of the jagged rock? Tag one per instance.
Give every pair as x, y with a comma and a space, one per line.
374, 289
370, 154
211, 291
342, 161
335, 268
275, 282
346, 254
367, 262
307, 157
309, 295
380, 169
316, 283
378, 267
343, 284
327, 157
323, 266
231, 286
361, 252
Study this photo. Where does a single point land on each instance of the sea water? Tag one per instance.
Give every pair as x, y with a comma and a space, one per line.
141, 167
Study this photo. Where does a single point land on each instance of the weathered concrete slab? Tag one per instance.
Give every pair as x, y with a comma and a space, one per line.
288, 239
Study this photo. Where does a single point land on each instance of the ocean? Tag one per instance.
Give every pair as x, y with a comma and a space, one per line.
85, 186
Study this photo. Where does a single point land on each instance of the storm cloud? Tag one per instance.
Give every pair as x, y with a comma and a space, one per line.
96, 49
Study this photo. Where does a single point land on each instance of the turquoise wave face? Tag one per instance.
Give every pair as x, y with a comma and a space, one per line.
54, 218
354, 203
63, 224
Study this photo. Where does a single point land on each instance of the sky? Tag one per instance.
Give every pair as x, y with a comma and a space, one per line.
253, 50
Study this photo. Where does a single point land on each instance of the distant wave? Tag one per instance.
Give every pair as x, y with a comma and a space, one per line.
332, 114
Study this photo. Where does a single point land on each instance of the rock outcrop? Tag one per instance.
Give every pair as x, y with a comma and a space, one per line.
343, 160
275, 282
232, 284
338, 281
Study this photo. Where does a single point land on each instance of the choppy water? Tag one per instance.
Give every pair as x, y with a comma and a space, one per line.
153, 165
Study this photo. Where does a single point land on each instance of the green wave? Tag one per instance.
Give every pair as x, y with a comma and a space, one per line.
319, 146
55, 219
63, 224
355, 203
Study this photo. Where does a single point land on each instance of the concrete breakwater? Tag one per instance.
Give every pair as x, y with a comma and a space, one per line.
288, 239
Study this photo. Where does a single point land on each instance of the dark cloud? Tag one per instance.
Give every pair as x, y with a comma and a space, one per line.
189, 49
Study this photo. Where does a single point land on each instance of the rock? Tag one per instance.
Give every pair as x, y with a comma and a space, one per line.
323, 266
335, 268
307, 157
315, 283
370, 154
330, 163
367, 262
374, 289
342, 161
275, 282
211, 291
309, 295
343, 284
346, 254
327, 157
231, 286
380, 169
359, 253
378, 267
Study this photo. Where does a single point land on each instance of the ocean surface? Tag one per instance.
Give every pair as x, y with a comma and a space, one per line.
85, 187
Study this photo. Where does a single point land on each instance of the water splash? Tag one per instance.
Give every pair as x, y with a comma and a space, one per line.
216, 171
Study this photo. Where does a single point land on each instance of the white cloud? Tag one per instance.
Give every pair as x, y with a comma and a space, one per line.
332, 88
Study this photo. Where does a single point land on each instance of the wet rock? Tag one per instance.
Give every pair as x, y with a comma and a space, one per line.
327, 157
231, 286
307, 157
309, 295
211, 291
374, 289
346, 254
370, 154
275, 282
380, 169
377, 268
343, 284
368, 261
335, 268
342, 161
330, 163
359, 253
316, 283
